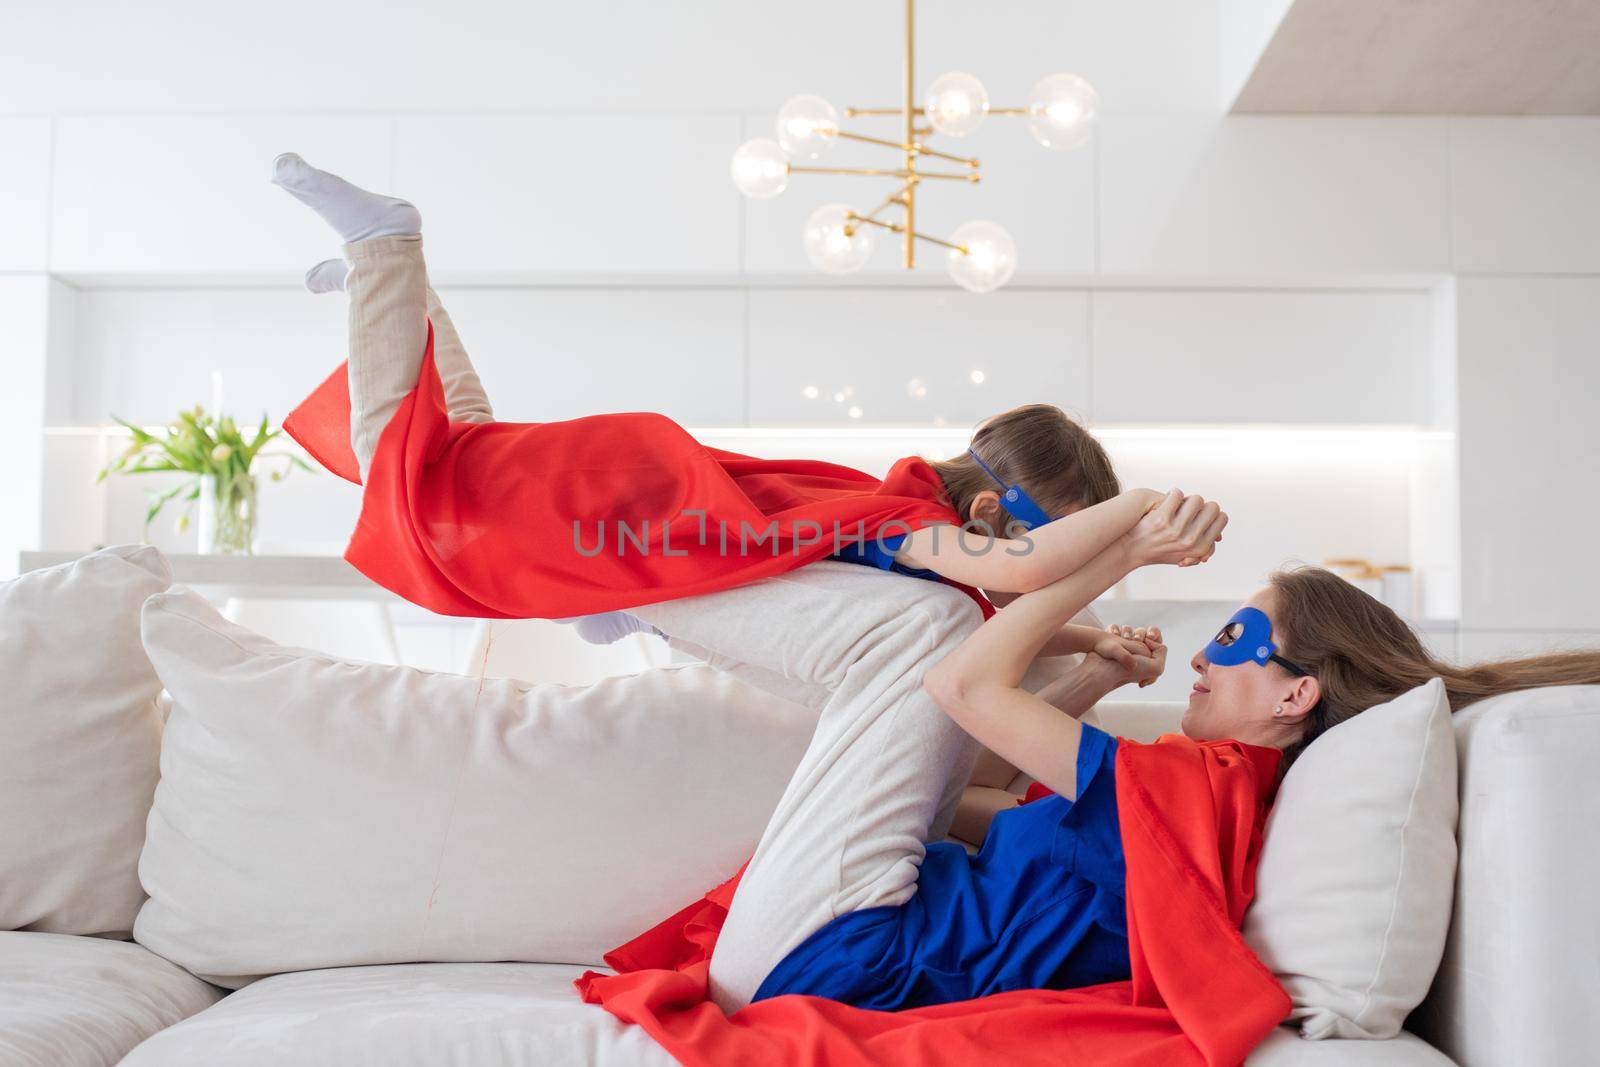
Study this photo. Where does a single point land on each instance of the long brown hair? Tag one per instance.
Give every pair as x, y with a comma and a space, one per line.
1039, 447
1363, 654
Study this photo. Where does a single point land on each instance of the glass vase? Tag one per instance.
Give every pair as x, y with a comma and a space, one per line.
227, 525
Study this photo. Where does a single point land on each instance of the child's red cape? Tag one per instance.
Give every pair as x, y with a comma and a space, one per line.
1191, 817
556, 519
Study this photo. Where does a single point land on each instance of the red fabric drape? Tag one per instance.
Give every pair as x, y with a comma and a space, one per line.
527, 520
1191, 817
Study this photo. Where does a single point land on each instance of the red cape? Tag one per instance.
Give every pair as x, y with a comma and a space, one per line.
1191, 817
527, 520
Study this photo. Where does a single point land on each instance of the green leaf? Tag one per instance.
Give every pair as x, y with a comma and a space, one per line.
189, 444
159, 500
139, 433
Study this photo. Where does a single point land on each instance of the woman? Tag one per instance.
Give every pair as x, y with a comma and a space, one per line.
843, 901
1302, 655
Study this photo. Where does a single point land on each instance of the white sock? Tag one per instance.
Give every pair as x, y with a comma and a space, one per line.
354, 213
609, 627
327, 276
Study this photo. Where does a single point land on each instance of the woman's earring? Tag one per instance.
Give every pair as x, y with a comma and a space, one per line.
1277, 709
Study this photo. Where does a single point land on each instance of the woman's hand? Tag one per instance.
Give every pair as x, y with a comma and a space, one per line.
1181, 530
1144, 665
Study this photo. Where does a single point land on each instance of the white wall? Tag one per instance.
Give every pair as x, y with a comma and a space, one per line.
571, 163
647, 57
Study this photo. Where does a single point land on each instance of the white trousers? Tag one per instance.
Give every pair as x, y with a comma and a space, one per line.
391, 303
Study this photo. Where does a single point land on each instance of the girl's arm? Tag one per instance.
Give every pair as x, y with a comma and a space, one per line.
977, 684
1043, 555
1072, 638
1022, 564
984, 797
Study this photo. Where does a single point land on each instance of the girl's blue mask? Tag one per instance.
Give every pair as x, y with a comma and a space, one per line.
1247, 637
1018, 504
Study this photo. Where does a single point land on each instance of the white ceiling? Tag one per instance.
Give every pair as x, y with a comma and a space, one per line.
1460, 57
581, 56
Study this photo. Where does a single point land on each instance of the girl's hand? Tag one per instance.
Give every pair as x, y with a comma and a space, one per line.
1120, 649
1148, 657
1181, 530
1148, 499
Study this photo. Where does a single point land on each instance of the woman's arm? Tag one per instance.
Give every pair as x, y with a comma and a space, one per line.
1043, 555
977, 684
1075, 692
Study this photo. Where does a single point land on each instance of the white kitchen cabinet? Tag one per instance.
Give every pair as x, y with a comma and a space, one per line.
191, 195
921, 357
1260, 356
572, 194
24, 193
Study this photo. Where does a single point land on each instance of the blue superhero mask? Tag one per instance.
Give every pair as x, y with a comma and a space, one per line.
1018, 504
1247, 637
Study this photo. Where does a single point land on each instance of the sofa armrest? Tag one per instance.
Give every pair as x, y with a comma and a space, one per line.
1521, 969
1137, 720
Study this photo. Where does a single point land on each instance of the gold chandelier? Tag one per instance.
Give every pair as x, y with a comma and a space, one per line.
980, 255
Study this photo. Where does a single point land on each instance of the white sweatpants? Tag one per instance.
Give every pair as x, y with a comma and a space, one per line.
391, 303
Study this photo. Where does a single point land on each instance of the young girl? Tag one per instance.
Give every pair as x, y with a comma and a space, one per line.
468, 516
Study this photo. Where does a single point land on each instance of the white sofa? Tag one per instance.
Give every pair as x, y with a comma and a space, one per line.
1520, 972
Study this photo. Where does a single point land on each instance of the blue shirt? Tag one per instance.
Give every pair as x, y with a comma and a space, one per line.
1041, 906
875, 552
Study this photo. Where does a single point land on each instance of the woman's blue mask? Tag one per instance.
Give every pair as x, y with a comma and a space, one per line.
1018, 504
1244, 638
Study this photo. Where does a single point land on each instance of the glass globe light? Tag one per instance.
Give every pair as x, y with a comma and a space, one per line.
829, 247
956, 104
760, 169
990, 258
1061, 110
807, 126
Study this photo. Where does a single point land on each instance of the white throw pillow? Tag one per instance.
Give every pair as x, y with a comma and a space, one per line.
1357, 871
319, 813
80, 733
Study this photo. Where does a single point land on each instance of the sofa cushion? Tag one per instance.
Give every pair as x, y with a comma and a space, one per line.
407, 1015
1358, 867
70, 1001
318, 813
510, 1015
82, 732
1284, 1047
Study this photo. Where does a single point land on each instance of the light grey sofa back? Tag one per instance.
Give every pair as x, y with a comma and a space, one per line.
1521, 971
